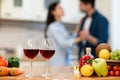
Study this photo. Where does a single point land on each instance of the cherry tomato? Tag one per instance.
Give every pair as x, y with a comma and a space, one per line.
109, 67
84, 58
115, 68
117, 73
118, 68
111, 73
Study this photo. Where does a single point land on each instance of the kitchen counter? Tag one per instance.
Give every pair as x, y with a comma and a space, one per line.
58, 73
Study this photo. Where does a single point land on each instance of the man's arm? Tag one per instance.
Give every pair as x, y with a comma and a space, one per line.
92, 40
102, 33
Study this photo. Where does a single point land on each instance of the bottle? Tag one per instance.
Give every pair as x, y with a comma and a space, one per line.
88, 52
86, 59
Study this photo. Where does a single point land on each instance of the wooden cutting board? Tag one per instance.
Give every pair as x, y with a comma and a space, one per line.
58, 73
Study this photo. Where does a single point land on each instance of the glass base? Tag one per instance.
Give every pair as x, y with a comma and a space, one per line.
29, 75
46, 75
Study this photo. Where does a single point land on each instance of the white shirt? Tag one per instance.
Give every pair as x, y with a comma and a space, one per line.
87, 23
87, 27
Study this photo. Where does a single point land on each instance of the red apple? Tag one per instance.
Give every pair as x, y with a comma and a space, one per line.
115, 68
117, 73
111, 73
109, 67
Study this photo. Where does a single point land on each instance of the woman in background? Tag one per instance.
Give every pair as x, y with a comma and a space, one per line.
56, 30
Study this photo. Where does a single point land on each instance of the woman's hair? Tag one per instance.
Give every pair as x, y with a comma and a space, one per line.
50, 16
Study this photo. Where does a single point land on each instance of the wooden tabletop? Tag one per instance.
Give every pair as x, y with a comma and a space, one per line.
58, 73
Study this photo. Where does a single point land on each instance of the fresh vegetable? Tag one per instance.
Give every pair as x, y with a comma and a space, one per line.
4, 71
13, 61
117, 73
115, 68
114, 71
87, 70
3, 61
109, 67
118, 68
100, 67
111, 73
1, 57
86, 59
16, 71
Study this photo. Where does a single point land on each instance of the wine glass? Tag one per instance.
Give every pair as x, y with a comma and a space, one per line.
47, 50
31, 50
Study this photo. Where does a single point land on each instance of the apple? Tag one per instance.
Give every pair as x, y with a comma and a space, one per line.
109, 67
111, 73
115, 68
117, 73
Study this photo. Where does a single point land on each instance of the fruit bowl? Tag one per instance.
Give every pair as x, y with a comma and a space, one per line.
113, 62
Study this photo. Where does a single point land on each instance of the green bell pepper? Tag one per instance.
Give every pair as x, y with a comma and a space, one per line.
13, 62
100, 67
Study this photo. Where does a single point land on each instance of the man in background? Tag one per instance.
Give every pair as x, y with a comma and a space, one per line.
93, 27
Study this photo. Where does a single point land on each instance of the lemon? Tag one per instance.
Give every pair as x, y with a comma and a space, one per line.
104, 53
87, 70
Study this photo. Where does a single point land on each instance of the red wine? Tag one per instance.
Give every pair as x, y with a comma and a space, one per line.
47, 54
31, 53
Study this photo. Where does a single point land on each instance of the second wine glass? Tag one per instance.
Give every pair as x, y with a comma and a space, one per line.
47, 50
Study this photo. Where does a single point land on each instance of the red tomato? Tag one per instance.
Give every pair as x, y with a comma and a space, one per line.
84, 58
109, 67
1, 57
117, 73
115, 68
87, 57
3, 63
118, 68
111, 73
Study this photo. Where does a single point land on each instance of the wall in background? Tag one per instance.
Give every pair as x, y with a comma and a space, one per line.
30, 10
35, 10
115, 23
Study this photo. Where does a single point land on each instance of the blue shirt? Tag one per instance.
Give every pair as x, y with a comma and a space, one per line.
63, 41
98, 29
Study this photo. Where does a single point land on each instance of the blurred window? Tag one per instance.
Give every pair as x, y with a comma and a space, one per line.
18, 3
48, 2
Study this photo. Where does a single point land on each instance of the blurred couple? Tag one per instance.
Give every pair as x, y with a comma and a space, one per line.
91, 31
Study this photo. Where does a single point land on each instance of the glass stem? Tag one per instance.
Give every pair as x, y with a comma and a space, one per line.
46, 72
46, 75
31, 67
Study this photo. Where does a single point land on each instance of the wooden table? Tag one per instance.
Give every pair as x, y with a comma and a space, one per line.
58, 73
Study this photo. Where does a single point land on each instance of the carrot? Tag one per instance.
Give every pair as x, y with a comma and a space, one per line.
16, 71
4, 71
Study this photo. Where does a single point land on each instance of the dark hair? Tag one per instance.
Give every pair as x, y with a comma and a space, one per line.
92, 2
50, 16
